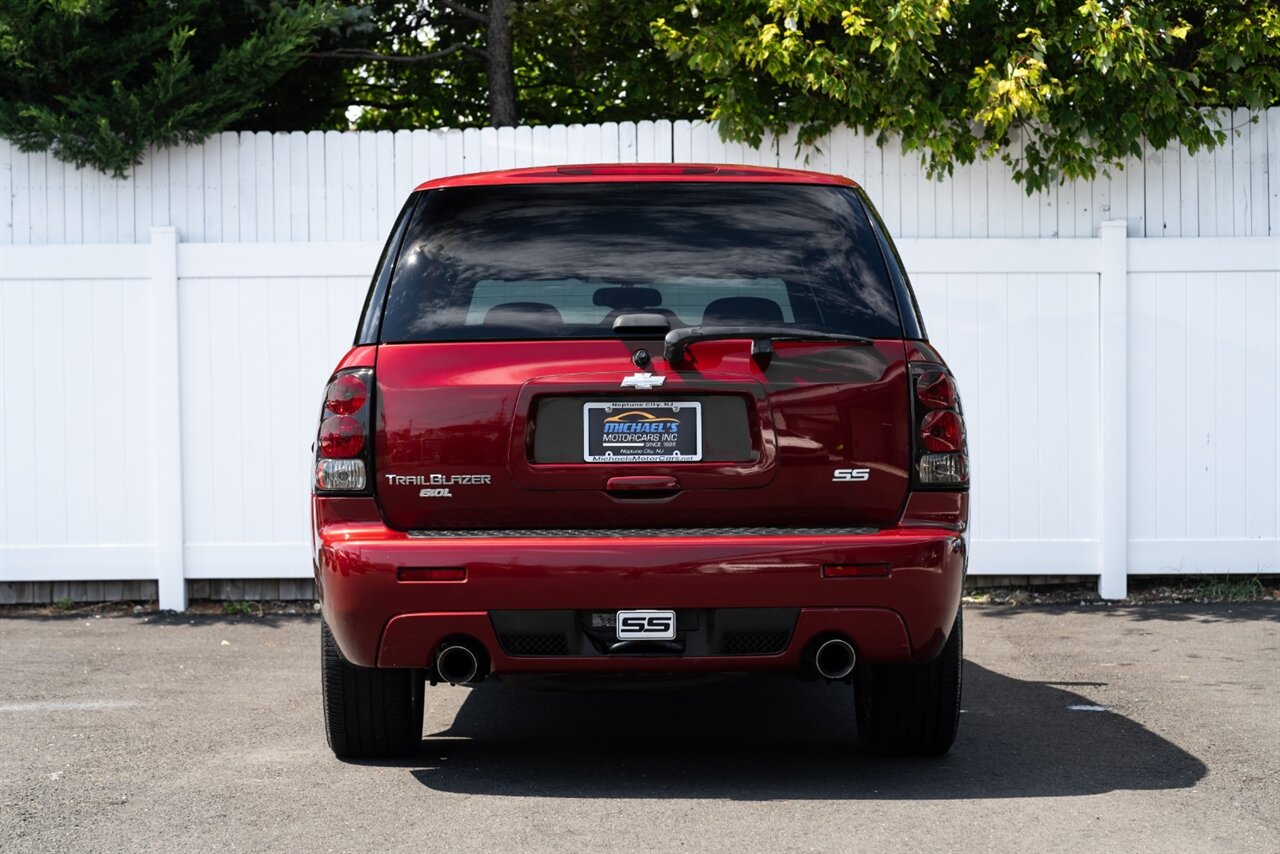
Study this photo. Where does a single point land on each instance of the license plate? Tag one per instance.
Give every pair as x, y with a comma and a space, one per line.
644, 432
646, 625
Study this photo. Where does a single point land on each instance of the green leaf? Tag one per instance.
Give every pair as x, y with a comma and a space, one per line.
955, 81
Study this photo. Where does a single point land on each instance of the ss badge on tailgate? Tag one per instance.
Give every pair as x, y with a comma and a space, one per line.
851, 474
646, 625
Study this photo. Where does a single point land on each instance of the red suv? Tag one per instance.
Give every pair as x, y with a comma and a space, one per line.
642, 422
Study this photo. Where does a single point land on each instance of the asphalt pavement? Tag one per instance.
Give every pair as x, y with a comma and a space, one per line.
1152, 728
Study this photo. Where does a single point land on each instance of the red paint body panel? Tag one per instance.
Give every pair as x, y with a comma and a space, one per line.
638, 172
946, 509
357, 564
465, 409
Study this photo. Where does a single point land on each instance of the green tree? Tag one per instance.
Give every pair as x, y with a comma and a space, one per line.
430, 63
1084, 80
497, 62
597, 61
98, 81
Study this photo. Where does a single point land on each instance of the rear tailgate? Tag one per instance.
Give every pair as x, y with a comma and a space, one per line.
497, 435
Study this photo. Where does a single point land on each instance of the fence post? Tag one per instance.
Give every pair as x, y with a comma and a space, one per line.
1113, 579
167, 419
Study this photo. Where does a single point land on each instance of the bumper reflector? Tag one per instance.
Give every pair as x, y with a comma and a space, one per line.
856, 570
452, 573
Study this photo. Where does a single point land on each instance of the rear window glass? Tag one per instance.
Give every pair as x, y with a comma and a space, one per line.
538, 261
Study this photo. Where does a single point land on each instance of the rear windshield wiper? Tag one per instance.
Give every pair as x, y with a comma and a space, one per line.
762, 337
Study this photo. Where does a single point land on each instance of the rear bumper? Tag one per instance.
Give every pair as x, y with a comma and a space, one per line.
379, 620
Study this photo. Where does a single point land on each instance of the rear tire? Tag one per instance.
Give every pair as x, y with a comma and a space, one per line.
368, 711
912, 709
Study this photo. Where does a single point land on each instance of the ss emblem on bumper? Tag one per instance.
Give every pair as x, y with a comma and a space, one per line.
646, 625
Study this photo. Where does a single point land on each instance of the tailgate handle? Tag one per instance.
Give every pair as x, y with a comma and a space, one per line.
642, 483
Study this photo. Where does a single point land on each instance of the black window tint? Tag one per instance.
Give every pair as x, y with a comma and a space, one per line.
539, 261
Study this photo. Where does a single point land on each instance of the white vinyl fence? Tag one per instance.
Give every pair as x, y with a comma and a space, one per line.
331, 186
164, 342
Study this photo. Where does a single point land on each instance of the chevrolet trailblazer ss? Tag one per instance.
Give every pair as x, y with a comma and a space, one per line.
640, 421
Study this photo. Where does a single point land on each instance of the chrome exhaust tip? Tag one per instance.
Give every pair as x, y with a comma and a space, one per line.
834, 659
458, 664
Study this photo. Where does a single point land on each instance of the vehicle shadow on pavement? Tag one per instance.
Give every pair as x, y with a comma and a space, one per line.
774, 737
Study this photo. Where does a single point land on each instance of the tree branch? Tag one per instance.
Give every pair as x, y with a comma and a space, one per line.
465, 11
380, 105
372, 56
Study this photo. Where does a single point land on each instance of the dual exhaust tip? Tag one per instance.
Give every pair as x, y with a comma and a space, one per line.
834, 659
461, 662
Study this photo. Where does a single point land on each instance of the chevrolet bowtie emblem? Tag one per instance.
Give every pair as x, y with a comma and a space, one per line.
643, 381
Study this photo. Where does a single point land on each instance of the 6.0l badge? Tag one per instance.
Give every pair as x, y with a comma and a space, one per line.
438, 483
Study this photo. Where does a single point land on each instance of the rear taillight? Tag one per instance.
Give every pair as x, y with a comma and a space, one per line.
341, 437
342, 443
346, 394
940, 430
936, 389
941, 450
